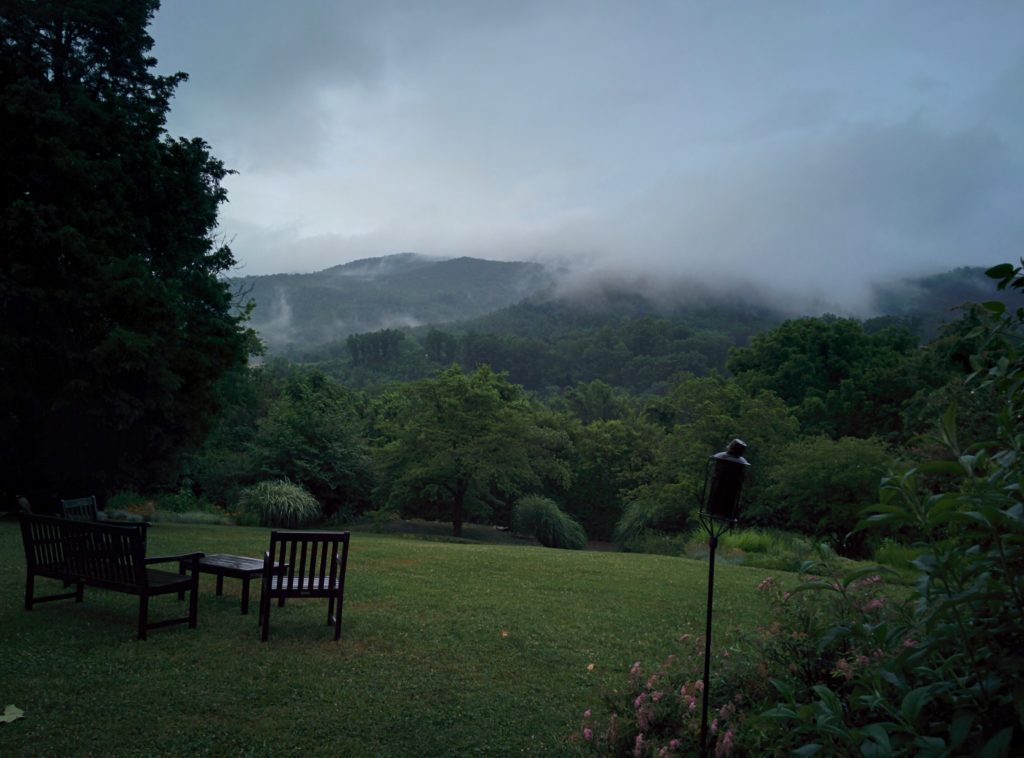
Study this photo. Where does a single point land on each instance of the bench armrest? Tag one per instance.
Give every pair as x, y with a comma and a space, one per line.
170, 558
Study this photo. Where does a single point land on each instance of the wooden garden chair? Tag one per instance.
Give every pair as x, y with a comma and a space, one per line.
309, 565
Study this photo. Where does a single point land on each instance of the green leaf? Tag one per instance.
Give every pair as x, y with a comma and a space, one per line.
941, 467
1002, 271
960, 728
807, 750
998, 745
11, 713
947, 429
994, 306
914, 701
829, 701
880, 736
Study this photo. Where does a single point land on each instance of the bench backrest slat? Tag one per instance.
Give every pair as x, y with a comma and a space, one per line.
109, 555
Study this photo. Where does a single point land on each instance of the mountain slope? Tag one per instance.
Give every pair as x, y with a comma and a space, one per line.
304, 310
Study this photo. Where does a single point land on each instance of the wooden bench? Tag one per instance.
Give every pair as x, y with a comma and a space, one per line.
103, 555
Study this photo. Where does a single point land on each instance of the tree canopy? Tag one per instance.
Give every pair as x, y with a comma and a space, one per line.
114, 324
464, 442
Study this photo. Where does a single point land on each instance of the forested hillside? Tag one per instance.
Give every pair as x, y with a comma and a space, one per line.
296, 311
421, 425
631, 341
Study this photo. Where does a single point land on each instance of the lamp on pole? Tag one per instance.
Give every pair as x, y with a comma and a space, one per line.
724, 474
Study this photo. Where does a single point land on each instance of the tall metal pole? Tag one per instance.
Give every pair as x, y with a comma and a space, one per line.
706, 694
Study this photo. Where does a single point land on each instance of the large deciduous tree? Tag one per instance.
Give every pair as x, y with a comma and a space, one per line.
114, 324
464, 442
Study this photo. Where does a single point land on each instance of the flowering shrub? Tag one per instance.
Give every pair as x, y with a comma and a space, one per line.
945, 677
859, 671
659, 711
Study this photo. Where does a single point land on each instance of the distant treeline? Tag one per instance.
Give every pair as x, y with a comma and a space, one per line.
422, 425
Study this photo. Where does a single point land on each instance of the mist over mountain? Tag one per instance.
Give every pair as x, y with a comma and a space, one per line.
405, 290
299, 312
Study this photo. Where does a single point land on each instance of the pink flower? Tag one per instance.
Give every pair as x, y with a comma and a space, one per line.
786, 596
873, 605
693, 705
640, 700
908, 642
724, 746
656, 696
766, 584
714, 726
638, 746
635, 669
588, 734
653, 680
674, 744
586, 713
699, 685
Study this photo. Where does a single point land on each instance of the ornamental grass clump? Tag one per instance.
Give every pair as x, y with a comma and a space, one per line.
542, 518
280, 503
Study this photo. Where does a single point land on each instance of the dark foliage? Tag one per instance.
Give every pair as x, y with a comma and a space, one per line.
114, 326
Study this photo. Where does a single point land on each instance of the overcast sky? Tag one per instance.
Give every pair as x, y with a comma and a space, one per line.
803, 145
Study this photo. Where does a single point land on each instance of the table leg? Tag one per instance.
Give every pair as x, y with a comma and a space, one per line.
245, 595
220, 584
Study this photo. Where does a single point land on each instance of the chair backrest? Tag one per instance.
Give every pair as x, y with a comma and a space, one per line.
316, 561
79, 508
104, 554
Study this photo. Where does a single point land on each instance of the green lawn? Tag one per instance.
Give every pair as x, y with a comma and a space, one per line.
447, 649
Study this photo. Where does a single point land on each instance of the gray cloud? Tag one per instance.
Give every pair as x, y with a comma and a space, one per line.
803, 147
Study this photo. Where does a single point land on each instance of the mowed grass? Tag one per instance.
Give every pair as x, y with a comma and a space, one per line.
447, 649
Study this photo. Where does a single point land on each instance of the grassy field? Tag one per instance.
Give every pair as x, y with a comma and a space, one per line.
447, 649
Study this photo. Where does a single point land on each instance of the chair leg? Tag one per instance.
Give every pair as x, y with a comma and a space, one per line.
265, 623
337, 621
143, 615
263, 617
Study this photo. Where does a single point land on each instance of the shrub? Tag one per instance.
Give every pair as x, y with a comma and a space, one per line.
658, 711
279, 503
542, 518
130, 503
654, 509
857, 670
184, 501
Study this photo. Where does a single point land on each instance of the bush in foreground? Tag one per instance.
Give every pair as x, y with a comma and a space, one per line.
280, 503
542, 518
858, 670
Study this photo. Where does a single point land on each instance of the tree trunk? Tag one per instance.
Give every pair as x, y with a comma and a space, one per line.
460, 496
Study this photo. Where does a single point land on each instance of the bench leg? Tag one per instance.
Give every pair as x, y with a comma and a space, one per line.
193, 601
143, 615
181, 570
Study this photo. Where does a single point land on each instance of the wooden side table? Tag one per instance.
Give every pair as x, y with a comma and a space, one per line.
233, 566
